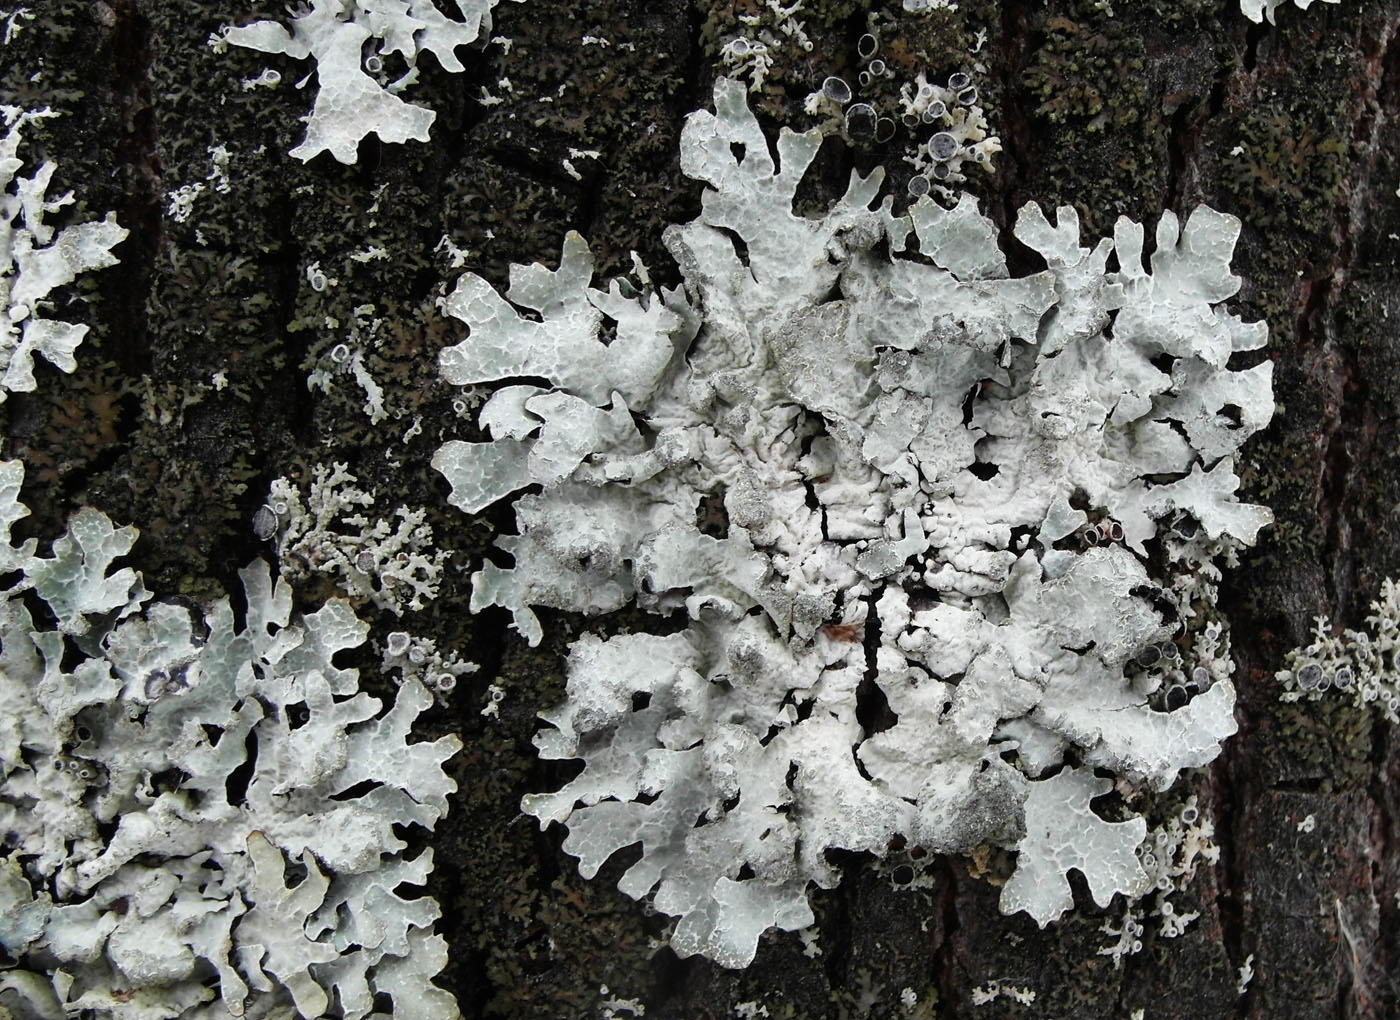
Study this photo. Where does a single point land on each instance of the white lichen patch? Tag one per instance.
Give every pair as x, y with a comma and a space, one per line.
15, 22
199, 812
391, 561
749, 54
1363, 665
412, 657
36, 260
358, 95
1258, 10
958, 131
180, 202
984, 995
345, 361
924, 522
1170, 857
1244, 975
948, 128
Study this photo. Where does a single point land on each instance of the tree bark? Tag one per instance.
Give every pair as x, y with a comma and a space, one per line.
190, 397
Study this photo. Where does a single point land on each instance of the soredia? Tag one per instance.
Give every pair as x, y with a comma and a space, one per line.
982, 506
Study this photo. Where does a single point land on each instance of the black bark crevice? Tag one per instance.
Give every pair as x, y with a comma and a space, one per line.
1016, 125
947, 975
1230, 798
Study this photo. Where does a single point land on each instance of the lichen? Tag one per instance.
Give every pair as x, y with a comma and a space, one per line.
902, 588
165, 773
392, 562
357, 95
1360, 665
1258, 10
36, 260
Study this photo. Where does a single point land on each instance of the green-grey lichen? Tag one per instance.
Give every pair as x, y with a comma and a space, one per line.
233, 753
357, 94
1360, 665
36, 260
823, 398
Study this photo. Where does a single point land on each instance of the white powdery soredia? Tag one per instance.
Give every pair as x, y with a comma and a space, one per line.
932, 529
355, 96
196, 814
34, 261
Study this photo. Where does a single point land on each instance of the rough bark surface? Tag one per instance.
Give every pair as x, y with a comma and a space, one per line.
1128, 107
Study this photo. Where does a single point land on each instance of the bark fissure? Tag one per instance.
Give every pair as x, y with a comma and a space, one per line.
1015, 127
1347, 432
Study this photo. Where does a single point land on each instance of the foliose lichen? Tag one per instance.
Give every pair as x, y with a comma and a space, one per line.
358, 94
1258, 10
1362, 665
198, 812
936, 532
392, 562
35, 260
